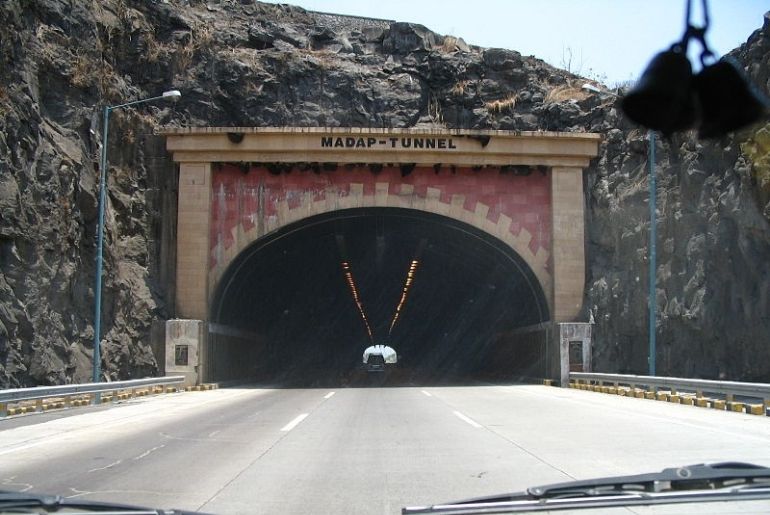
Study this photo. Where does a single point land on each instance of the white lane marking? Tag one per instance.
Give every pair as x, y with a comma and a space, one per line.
329, 395
33, 444
133, 419
211, 434
291, 425
147, 453
466, 419
78, 493
9, 482
427, 393
107, 467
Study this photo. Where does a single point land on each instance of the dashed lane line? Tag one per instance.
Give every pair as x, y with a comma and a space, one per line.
113, 464
466, 419
294, 423
147, 453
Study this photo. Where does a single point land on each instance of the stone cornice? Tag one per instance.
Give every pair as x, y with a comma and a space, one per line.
417, 146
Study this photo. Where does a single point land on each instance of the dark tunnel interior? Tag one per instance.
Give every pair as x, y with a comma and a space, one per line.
457, 316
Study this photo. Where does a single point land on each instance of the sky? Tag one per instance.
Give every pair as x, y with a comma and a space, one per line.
608, 40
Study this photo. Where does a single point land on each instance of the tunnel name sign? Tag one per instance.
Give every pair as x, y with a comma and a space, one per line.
371, 142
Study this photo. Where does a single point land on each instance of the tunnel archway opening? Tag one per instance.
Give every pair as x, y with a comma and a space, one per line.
453, 301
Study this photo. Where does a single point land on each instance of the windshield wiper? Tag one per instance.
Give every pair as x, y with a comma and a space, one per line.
16, 502
695, 483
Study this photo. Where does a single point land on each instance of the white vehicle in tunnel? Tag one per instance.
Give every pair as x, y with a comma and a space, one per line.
377, 356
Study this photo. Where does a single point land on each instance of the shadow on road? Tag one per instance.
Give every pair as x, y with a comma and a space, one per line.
393, 378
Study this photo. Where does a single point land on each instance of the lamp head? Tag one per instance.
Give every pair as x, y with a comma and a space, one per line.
172, 95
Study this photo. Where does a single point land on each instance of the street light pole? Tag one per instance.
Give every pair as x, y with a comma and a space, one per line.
652, 270
652, 300
172, 95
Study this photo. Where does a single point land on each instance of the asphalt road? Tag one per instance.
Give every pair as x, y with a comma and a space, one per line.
359, 450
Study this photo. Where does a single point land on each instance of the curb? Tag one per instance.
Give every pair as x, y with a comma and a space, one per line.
676, 398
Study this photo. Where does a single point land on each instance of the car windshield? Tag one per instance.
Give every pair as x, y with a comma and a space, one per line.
358, 257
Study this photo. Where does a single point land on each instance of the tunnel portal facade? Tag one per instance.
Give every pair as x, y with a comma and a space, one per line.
241, 187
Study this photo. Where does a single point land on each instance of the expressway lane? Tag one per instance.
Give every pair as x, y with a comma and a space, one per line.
362, 450
375, 450
587, 434
166, 451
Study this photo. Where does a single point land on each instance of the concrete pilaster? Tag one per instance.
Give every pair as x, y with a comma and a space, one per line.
193, 230
568, 246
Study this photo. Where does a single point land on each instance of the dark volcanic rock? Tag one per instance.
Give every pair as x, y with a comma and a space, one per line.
244, 63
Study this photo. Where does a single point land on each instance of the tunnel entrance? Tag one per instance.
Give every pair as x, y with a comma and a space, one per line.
452, 300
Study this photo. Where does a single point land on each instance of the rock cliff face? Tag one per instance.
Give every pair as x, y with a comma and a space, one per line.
242, 63
712, 247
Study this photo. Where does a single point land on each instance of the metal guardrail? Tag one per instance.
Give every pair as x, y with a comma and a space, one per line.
699, 387
38, 393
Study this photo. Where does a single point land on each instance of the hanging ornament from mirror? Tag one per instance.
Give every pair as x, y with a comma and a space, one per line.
726, 99
662, 99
